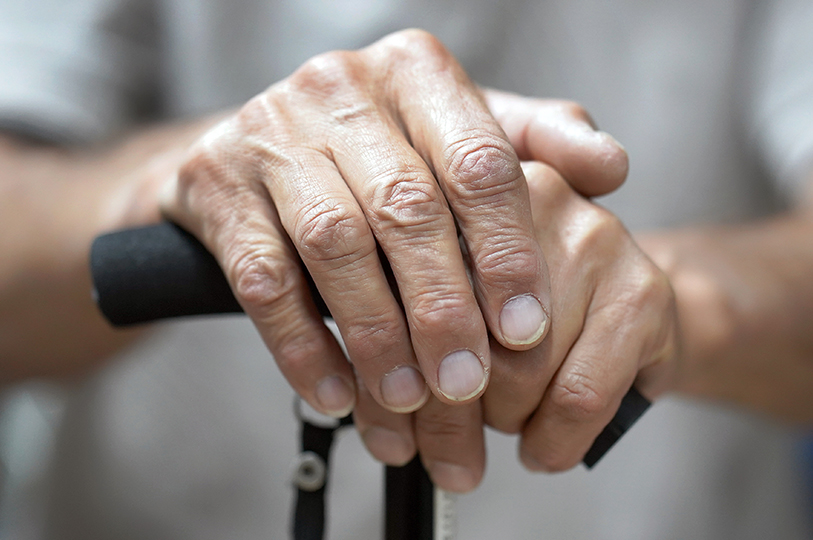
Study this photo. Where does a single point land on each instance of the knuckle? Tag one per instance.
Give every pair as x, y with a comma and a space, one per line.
297, 353
257, 114
258, 106
438, 309
654, 305
207, 160
261, 282
606, 224
415, 42
575, 110
666, 349
328, 74
402, 198
575, 398
199, 165
262, 129
550, 194
260, 137
235, 155
507, 259
373, 336
330, 230
544, 181
596, 232
653, 286
647, 293
482, 166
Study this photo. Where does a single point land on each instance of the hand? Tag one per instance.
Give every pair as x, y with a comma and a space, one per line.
389, 146
615, 323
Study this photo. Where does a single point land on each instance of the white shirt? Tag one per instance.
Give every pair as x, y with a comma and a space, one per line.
191, 434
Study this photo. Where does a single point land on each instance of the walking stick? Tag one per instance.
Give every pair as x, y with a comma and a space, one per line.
161, 271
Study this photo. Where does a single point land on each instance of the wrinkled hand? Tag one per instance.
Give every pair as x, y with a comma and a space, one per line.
392, 147
614, 322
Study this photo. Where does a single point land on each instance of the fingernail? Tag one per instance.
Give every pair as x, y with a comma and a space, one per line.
461, 375
612, 140
452, 477
336, 396
388, 446
522, 320
404, 389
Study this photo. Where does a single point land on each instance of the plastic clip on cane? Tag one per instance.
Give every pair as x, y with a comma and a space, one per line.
161, 271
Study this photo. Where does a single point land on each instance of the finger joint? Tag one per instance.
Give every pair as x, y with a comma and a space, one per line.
373, 336
440, 309
508, 260
404, 199
482, 167
576, 398
332, 232
261, 281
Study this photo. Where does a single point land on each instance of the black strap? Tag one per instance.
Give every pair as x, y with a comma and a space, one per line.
409, 491
310, 478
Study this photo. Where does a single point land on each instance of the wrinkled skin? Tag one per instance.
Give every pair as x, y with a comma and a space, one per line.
393, 146
615, 320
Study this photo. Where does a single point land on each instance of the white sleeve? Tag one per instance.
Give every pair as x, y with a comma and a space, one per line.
781, 119
75, 71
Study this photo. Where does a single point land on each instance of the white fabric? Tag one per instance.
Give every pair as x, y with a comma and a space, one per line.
780, 118
75, 71
190, 435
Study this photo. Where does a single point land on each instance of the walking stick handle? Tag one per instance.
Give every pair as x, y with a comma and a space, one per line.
159, 272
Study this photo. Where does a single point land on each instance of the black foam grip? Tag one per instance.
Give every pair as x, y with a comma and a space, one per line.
161, 271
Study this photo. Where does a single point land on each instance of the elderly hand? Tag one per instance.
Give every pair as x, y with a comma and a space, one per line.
614, 322
393, 148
